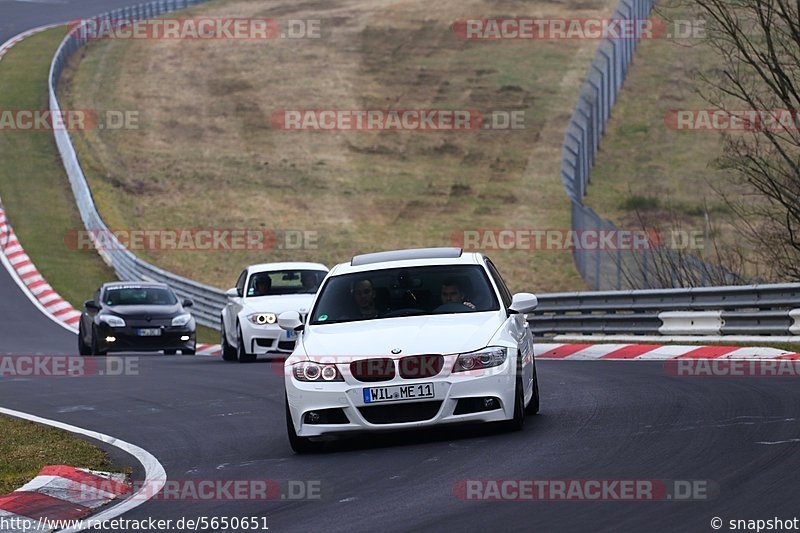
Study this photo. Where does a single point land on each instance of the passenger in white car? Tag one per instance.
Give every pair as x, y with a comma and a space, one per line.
452, 292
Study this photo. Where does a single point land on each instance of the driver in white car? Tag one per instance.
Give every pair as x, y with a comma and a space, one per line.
364, 295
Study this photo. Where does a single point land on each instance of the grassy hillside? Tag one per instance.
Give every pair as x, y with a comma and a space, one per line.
205, 154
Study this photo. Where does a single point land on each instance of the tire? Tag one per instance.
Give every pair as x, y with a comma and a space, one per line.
533, 405
83, 349
94, 349
170, 352
518, 420
300, 445
517, 423
228, 351
241, 352
189, 352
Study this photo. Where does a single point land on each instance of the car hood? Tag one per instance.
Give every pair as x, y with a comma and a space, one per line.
155, 311
441, 334
279, 303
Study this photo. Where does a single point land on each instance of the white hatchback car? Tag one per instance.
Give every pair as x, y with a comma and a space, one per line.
407, 339
262, 292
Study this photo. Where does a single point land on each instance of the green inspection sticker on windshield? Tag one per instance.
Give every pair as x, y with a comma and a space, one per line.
323, 318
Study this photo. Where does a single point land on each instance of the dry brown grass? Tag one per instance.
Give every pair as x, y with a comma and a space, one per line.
206, 156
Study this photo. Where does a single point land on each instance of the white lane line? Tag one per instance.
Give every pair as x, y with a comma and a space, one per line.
155, 475
768, 443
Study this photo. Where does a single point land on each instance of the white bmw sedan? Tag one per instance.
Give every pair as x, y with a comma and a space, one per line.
408, 339
262, 292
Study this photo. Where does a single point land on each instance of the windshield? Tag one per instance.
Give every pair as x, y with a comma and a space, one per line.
284, 282
405, 292
139, 296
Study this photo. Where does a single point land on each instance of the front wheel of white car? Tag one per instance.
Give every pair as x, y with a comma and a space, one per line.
228, 351
518, 421
241, 350
299, 444
533, 405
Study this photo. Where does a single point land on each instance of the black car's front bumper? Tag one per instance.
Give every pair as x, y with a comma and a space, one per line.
127, 339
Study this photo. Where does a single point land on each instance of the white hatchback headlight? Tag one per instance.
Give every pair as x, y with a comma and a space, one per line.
113, 321
486, 358
262, 319
181, 320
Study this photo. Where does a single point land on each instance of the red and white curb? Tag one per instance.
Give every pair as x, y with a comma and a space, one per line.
654, 352
209, 349
59, 493
30, 280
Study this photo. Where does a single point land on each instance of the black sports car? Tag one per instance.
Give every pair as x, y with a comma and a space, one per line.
136, 317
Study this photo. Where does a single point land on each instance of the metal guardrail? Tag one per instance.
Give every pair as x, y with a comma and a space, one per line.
208, 300
739, 310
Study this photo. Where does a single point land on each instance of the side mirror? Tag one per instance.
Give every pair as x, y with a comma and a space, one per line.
188, 302
290, 321
233, 293
91, 305
523, 302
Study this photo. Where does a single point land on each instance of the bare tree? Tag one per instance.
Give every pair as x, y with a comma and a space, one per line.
758, 43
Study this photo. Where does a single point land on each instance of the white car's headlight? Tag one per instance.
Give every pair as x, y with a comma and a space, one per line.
113, 321
262, 319
311, 371
486, 358
181, 320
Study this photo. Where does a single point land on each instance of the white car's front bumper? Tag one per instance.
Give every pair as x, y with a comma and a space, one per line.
268, 338
348, 396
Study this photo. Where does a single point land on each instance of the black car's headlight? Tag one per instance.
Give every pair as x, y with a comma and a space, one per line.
486, 358
262, 319
181, 320
112, 320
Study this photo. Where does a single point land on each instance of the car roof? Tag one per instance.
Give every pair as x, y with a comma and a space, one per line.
403, 255
135, 284
408, 258
269, 267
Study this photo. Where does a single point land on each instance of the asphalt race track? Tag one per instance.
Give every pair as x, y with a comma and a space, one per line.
208, 420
